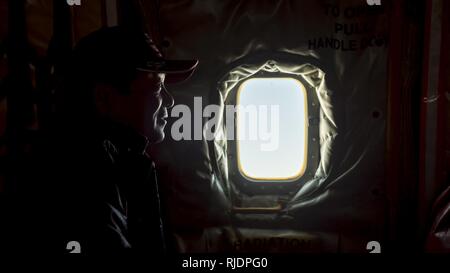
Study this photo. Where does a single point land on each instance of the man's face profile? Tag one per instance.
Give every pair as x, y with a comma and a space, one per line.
149, 103
144, 108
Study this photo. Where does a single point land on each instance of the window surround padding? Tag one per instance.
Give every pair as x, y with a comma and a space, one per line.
315, 187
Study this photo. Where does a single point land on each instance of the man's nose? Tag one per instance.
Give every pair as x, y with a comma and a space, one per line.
168, 100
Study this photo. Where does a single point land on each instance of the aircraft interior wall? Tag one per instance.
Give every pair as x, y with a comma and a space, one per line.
376, 82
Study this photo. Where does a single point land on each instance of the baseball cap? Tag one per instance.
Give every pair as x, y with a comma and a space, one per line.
112, 53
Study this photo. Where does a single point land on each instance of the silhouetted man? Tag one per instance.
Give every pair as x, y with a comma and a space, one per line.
113, 104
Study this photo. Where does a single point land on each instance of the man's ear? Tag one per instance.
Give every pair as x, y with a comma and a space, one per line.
103, 98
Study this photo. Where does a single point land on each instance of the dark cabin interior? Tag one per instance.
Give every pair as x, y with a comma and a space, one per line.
364, 148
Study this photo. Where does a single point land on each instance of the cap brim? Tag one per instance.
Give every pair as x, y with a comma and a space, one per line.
175, 70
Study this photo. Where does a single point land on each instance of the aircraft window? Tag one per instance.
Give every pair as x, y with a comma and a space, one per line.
271, 129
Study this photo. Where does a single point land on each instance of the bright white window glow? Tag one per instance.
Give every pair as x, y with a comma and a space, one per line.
285, 129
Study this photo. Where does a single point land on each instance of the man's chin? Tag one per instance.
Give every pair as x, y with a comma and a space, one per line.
157, 137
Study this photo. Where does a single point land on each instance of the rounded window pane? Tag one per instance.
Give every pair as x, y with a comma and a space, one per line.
271, 129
